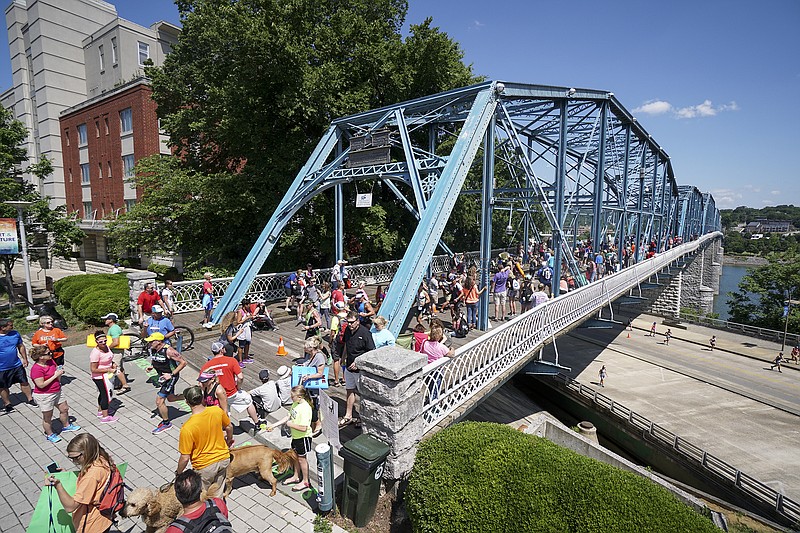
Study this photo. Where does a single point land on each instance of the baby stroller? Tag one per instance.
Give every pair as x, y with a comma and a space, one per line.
263, 320
460, 326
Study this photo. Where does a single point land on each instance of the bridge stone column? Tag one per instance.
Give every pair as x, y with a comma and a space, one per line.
136, 282
391, 404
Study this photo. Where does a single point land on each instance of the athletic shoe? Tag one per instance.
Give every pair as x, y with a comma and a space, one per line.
287, 310
99, 414
108, 419
162, 426
8, 408
53, 438
71, 427
32, 402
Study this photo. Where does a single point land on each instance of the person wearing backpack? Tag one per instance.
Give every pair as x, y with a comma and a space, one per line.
198, 516
99, 493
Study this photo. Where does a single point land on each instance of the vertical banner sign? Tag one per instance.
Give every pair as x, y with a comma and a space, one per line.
329, 413
9, 244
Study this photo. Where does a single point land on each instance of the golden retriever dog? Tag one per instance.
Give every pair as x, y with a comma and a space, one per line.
258, 458
157, 508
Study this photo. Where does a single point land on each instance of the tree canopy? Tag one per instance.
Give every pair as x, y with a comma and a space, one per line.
47, 227
763, 292
247, 93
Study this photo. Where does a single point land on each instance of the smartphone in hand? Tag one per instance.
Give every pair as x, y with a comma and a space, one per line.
53, 468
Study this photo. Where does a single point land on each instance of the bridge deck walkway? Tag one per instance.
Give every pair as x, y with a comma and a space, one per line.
727, 402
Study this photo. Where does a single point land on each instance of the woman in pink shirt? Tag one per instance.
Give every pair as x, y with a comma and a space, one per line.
435, 349
102, 362
45, 375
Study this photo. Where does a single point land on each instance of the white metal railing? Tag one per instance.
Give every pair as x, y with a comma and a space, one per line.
792, 339
269, 287
752, 487
451, 382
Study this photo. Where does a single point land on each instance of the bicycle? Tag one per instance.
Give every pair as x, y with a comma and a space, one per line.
182, 340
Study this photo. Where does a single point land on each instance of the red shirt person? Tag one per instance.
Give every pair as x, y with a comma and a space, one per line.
147, 299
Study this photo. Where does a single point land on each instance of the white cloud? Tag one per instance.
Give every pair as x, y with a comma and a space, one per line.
654, 107
706, 109
775, 193
727, 198
477, 25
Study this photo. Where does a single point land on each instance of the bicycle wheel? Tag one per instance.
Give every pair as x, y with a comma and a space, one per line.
186, 336
137, 350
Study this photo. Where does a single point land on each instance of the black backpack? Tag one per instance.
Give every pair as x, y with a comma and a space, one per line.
211, 521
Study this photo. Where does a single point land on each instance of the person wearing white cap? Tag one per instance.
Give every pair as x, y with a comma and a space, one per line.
114, 334
336, 274
285, 384
338, 325
158, 323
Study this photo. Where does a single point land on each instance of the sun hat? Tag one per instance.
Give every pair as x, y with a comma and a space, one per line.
205, 376
283, 371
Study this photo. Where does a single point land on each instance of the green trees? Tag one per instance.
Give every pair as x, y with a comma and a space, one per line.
763, 292
247, 93
46, 227
477, 477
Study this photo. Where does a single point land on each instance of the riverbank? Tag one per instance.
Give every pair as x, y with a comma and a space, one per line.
744, 260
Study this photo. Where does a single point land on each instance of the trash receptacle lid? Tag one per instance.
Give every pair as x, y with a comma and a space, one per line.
366, 447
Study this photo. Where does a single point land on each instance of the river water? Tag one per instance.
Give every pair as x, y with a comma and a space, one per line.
729, 282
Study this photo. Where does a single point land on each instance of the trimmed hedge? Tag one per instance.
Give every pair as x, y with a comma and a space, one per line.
480, 477
91, 296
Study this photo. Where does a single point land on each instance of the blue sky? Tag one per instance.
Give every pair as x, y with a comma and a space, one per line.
716, 83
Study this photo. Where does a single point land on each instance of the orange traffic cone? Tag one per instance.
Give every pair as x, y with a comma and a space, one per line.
281, 347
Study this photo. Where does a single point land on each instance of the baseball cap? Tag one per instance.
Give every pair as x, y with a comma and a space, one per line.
339, 305
155, 337
205, 376
112, 316
157, 309
263, 375
283, 371
217, 347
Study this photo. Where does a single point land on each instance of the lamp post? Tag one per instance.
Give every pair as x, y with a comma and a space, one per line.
788, 311
20, 205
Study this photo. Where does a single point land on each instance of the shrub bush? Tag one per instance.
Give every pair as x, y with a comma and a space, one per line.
91, 296
479, 477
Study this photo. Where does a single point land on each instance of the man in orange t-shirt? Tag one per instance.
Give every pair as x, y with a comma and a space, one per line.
230, 376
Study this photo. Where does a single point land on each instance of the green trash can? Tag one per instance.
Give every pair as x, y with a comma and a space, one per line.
364, 457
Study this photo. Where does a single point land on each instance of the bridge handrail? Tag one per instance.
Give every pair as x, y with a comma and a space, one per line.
792, 339
269, 287
746, 483
453, 381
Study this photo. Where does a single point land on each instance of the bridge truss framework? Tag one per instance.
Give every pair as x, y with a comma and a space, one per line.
576, 156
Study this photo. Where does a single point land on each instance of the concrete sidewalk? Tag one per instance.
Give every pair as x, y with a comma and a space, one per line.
152, 459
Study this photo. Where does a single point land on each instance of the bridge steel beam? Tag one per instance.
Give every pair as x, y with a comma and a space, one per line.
571, 154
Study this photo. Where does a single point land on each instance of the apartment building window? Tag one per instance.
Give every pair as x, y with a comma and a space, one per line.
109, 169
82, 139
144, 53
113, 50
129, 205
85, 178
126, 120
96, 128
102, 58
70, 176
127, 165
105, 120
66, 136
87, 210
100, 170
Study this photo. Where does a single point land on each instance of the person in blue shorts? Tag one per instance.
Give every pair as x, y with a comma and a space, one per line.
13, 361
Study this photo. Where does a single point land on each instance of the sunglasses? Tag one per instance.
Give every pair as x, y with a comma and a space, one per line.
74, 458
352, 321
48, 322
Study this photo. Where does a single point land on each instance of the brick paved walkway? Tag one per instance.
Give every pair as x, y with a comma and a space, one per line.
152, 458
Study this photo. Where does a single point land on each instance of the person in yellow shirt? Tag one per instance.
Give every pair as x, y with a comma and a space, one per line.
299, 421
202, 442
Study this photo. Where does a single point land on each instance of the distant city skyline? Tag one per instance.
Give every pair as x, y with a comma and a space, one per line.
715, 83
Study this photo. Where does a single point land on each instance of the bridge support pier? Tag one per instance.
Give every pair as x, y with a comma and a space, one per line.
392, 403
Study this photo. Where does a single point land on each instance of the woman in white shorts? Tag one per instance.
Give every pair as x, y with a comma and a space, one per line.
47, 391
